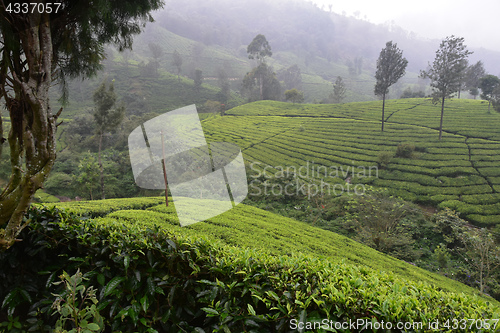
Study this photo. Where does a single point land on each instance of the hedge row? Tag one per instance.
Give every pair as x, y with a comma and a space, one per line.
149, 280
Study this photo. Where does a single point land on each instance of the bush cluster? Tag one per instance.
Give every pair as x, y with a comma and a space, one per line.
149, 280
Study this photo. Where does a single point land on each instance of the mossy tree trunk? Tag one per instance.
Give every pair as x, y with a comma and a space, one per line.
31, 138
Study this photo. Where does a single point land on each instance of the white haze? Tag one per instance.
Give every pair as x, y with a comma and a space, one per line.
476, 21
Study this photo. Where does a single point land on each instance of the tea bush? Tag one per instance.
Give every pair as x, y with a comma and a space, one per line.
151, 279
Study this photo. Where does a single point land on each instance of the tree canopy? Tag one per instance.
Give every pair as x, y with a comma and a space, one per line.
38, 49
390, 68
488, 84
259, 48
447, 71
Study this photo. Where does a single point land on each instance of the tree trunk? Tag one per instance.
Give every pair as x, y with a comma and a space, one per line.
441, 122
101, 168
261, 86
383, 110
489, 103
481, 272
33, 126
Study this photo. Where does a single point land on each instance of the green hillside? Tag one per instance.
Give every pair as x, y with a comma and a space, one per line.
244, 270
461, 171
248, 227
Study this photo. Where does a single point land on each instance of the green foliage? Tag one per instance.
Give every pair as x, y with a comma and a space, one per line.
383, 159
339, 90
291, 77
212, 107
261, 84
177, 62
259, 48
483, 253
442, 256
198, 79
462, 167
294, 95
405, 150
88, 174
99, 208
390, 68
41, 196
473, 76
488, 85
149, 278
106, 116
13, 325
60, 183
384, 223
448, 71
77, 305
448, 68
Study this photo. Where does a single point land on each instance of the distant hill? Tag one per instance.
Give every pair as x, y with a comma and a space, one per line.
213, 36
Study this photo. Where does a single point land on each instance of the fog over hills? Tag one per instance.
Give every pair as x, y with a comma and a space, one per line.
305, 29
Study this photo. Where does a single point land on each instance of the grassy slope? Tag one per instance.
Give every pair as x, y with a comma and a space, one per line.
461, 171
249, 227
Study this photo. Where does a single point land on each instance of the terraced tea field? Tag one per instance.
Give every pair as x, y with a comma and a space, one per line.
253, 229
329, 142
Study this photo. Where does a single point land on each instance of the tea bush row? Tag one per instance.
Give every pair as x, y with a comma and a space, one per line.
151, 280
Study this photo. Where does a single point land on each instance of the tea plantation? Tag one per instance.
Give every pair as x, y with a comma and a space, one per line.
462, 171
244, 270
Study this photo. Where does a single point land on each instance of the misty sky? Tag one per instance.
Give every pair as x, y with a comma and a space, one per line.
475, 20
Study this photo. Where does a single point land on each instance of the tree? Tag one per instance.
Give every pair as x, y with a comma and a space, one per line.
106, 117
390, 68
383, 223
495, 98
483, 253
473, 75
177, 62
291, 76
38, 50
157, 53
487, 85
261, 84
447, 70
294, 95
198, 79
212, 106
339, 90
225, 86
259, 49
88, 174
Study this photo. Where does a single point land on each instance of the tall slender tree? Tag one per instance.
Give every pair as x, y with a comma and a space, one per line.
390, 68
157, 53
37, 50
259, 49
107, 118
177, 62
447, 70
339, 90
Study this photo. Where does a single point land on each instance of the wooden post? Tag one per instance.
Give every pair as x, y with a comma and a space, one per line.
164, 169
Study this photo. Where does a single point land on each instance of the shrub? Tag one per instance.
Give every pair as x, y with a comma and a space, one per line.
383, 159
151, 280
405, 150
